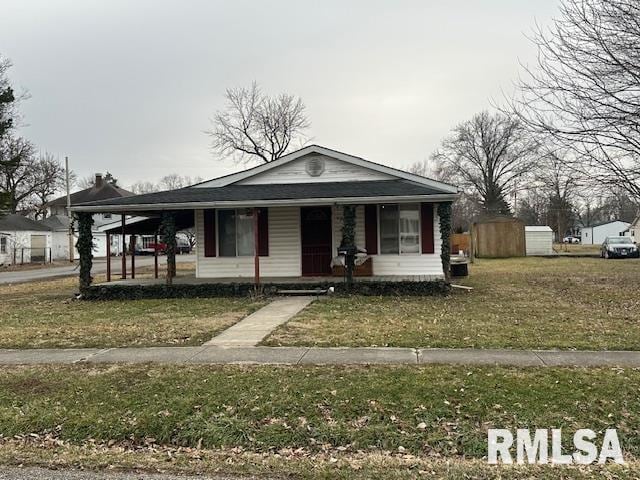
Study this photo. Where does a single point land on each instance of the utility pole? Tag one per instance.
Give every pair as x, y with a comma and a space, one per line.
71, 246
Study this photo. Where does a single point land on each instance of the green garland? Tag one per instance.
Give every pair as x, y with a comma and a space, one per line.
168, 232
349, 238
444, 214
85, 248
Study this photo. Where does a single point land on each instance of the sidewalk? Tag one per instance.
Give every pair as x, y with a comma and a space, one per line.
320, 356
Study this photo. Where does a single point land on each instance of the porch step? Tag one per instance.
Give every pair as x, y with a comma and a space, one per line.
317, 291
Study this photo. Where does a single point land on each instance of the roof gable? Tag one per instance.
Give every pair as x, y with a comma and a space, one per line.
336, 166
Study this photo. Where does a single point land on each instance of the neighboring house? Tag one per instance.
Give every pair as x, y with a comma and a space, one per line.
596, 234
538, 240
634, 229
58, 219
23, 240
299, 201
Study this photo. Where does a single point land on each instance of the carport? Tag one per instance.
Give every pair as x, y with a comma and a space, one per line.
146, 226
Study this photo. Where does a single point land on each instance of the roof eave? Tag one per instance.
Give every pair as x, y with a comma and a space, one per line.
264, 203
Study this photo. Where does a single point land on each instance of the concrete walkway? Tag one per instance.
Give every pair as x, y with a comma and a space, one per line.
252, 329
321, 356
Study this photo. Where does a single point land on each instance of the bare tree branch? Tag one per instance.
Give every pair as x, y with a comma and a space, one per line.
256, 126
585, 89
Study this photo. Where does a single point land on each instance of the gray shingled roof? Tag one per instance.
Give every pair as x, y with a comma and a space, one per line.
56, 222
92, 194
14, 222
294, 191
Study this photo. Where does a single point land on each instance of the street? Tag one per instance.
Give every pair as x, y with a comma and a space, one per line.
99, 266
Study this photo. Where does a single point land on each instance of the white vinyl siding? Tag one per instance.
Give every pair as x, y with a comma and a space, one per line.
284, 250
395, 264
538, 241
334, 171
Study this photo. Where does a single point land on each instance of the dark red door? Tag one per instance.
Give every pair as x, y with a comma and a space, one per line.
316, 240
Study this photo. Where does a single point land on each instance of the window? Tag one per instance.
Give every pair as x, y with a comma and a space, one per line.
235, 233
3, 244
399, 229
148, 242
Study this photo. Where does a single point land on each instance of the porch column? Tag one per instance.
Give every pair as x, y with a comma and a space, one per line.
132, 246
124, 249
155, 255
168, 229
108, 257
444, 215
85, 248
256, 249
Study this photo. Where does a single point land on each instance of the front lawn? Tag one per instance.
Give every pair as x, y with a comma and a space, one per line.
540, 303
45, 315
306, 421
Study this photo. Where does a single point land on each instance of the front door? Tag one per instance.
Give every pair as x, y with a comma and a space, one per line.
316, 240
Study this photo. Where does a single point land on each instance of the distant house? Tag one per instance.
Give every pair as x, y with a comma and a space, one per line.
634, 229
58, 220
596, 234
23, 240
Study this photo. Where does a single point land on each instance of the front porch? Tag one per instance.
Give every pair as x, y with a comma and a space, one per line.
266, 281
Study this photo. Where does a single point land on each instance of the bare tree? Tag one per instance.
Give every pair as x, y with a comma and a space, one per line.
174, 181
255, 126
24, 176
487, 155
49, 178
584, 91
141, 187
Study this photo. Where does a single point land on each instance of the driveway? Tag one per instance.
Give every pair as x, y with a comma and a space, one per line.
99, 266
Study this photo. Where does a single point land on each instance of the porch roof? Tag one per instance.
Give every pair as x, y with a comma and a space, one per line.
151, 226
271, 194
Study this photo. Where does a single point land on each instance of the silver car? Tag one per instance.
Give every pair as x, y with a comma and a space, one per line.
619, 247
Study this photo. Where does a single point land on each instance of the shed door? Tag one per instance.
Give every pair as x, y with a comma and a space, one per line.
38, 248
316, 240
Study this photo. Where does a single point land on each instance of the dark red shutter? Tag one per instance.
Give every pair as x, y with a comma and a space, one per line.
209, 233
426, 219
263, 232
371, 229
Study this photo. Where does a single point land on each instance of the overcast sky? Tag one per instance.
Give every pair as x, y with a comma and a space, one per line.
130, 86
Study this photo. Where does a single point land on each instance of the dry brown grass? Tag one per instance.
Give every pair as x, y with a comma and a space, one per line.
567, 303
45, 314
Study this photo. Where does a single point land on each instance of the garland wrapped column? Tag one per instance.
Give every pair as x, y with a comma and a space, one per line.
444, 214
168, 232
85, 248
349, 240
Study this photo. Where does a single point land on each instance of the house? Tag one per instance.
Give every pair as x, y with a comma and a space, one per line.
58, 219
634, 229
596, 234
538, 240
23, 240
290, 212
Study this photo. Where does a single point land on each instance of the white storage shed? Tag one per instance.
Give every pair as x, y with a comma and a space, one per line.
538, 240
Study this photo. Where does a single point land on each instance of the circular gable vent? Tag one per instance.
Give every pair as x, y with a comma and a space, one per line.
315, 166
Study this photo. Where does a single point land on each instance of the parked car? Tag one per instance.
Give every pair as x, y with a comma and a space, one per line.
182, 246
619, 247
570, 239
